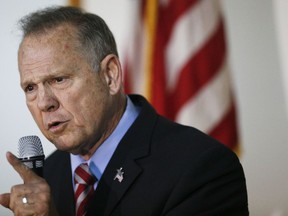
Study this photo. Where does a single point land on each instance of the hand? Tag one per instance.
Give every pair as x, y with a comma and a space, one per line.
35, 190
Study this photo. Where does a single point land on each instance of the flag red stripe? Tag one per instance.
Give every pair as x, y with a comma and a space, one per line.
197, 73
158, 97
169, 15
201, 68
226, 130
127, 71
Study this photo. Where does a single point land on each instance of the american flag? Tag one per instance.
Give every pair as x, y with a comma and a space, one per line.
178, 60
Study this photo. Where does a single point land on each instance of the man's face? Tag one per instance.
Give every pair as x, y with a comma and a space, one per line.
71, 104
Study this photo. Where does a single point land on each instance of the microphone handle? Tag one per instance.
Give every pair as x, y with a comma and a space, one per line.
35, 163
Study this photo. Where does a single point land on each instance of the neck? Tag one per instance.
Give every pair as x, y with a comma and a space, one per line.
120, 107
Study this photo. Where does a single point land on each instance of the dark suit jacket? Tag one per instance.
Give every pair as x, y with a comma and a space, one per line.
169, 170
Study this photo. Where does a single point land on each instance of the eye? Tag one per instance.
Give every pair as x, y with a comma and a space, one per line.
59, 82
59, 79
29, 88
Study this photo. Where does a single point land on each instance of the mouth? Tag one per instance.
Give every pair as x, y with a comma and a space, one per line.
53, 124
56, 126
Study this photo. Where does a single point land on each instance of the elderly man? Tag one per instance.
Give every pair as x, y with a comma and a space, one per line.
115, 155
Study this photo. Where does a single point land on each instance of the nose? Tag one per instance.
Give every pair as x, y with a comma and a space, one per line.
47, 101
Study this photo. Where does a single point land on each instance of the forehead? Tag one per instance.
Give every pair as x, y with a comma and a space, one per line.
49, 51
57, 36
61, 39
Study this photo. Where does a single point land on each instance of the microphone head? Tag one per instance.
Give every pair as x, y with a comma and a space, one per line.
30, 146
31, 153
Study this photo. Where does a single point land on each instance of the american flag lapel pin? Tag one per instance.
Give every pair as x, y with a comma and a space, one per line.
119, 175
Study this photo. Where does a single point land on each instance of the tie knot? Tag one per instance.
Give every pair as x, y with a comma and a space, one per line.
83, 175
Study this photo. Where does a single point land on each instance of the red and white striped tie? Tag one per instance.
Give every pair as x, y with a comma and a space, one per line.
84, 188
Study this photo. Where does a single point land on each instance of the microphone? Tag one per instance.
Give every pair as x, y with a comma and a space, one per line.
30, 152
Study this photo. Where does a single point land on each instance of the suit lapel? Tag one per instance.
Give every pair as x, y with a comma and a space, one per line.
59, 177
134, 145
110, 191
67, 198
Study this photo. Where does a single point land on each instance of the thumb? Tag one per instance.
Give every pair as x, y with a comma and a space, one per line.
5, 200
25, 173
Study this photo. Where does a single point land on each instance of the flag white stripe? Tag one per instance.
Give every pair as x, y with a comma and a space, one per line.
207, 108
191, 31
137, 50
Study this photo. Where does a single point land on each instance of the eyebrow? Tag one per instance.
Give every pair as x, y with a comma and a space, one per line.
43, 78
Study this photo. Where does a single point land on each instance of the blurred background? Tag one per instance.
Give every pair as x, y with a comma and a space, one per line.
257, 54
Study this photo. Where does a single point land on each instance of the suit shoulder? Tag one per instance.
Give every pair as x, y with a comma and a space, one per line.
184, 135
188, 144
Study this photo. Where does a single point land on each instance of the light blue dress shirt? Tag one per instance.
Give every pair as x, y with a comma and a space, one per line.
98, 162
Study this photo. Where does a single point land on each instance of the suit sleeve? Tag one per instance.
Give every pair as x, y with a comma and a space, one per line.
215, 186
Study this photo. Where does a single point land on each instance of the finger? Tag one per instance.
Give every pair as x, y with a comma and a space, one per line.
5, 199
20, 208
36, 199
18, 192
30, 203
24, 211
25, 173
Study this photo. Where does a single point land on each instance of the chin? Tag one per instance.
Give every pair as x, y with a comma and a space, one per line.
63, 146
75, 150
61, 143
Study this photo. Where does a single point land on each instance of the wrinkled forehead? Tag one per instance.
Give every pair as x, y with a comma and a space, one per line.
55, 48
61, 35
60, 42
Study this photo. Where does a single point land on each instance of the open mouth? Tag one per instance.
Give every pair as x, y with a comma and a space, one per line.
54, 124
57, 126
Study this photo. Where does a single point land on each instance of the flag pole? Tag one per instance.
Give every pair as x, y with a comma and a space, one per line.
75, 3
151, 21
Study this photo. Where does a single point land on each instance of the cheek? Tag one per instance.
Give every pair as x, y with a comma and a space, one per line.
84, 109
36, 114
92, 110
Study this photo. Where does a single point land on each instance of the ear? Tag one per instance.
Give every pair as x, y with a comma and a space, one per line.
111, 69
